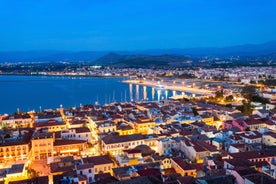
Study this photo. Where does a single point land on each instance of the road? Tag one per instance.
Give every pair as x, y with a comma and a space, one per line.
171, 86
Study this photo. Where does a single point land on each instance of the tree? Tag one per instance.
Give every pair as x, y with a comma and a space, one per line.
7, 136
32, 173
229, 105
195, 111
248, 92
260, 99
229, 98
245, 108
219, 94
270, 82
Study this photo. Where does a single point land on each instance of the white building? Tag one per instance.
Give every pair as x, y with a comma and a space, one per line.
77, 134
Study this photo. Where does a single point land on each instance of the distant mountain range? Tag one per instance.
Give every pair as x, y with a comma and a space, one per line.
164, 56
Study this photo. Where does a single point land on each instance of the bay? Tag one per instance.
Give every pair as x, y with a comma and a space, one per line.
49, 92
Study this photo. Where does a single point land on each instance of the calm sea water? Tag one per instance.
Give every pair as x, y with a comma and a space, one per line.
43, 92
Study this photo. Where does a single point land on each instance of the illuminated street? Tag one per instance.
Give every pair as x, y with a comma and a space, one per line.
170, 86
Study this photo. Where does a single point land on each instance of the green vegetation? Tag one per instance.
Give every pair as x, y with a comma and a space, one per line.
248, 92
229, 105
7, 136
32, 173
219, 95
245, 108
229, 98
269, 82
195, 111
259, 99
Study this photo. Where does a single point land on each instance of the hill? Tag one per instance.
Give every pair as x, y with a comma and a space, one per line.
137, 60
102, 57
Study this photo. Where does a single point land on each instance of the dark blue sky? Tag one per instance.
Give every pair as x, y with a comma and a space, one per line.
133, 24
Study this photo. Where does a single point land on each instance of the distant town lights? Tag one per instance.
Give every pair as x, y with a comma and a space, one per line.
96, 66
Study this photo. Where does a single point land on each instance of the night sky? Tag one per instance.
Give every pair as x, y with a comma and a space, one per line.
78, 25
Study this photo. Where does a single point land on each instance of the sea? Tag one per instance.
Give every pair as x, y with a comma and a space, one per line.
27, 93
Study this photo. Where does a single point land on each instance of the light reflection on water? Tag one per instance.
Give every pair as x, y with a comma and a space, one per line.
30, 92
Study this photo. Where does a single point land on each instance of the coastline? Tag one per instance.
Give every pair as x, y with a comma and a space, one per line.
171, 87
65, 75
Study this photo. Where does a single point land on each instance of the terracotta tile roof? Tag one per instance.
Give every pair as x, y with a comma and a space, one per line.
98, 160
126, 127
77, 121
272, 134
111, 139
48, 123
54, 167
143, 120
198, 167
253, 154
26, 138
85, 166
254, 122
131, 151
183, 164
245, 171
104, 178
238, 145
149, 172
251, 135
270, 123
186, 180
239, 162
42, 135
82, 130
198, 148
37, 180
207, 146
82, 177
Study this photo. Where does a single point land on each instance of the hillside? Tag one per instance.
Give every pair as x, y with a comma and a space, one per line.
102, 57
142, 60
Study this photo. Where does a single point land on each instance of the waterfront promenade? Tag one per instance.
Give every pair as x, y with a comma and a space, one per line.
171, 86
